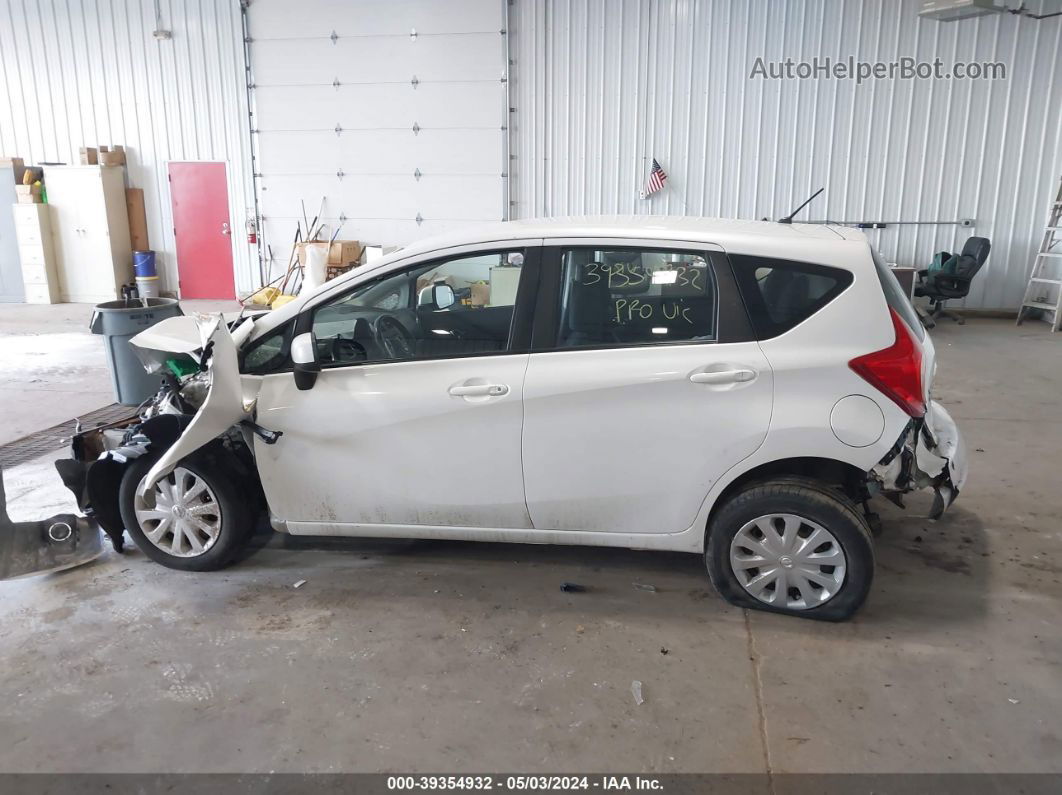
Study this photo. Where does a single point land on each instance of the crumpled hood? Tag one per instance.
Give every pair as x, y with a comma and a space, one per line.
185, 334
173, 335
224, 405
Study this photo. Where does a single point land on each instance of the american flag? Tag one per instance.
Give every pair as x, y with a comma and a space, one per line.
657, 178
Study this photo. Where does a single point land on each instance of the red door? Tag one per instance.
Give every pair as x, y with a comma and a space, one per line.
200, 196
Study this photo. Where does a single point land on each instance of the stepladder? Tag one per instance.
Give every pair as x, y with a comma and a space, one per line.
1044, 289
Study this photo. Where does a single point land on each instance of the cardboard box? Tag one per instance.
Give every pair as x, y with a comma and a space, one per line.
138, 231
332, 271
480, 294
112, 158
343, 252
340, 252
428, 279
89, 156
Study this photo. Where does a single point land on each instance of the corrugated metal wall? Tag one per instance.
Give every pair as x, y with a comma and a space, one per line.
87, 72
602, 86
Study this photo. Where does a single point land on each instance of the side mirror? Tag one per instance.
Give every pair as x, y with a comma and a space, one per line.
304, 357
442, 295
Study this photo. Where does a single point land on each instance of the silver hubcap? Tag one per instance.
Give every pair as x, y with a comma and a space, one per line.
185, 520
787, 561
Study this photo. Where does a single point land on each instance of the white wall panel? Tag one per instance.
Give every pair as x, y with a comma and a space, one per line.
335, 116
602, 86
87, 72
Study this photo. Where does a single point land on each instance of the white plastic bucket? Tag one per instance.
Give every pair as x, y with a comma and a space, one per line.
148, 286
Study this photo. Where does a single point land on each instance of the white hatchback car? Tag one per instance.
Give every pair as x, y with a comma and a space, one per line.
732, 388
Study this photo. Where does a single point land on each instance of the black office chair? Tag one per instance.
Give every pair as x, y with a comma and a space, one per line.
950, 277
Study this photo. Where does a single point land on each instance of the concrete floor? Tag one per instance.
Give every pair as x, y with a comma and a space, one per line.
430, 656
53, 367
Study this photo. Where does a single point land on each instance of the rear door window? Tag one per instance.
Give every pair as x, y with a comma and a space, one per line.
780, 294
622, 297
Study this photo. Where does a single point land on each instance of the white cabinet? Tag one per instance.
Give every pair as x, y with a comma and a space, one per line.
10, 273
90, 229
36, 251
503, 284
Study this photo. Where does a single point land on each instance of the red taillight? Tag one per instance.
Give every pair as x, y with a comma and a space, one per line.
896, 370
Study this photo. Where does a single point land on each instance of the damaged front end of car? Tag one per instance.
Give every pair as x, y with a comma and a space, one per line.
930, 454
199, 409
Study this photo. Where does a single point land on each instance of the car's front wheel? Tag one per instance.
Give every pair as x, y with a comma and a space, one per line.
194, 519
791, 546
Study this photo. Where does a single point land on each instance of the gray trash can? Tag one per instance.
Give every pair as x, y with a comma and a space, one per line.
118, 321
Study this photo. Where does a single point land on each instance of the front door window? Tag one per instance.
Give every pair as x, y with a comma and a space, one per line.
403, 316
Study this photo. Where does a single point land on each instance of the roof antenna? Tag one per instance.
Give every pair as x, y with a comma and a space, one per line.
789, 218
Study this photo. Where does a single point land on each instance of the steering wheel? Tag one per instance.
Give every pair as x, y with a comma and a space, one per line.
394, 338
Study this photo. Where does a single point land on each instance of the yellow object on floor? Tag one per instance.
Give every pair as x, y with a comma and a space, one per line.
280, 300
265, 296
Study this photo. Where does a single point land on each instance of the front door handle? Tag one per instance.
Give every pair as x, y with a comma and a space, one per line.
724, 377
479, 390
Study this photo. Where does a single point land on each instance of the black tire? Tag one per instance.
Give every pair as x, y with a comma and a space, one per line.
237, 516
805, 498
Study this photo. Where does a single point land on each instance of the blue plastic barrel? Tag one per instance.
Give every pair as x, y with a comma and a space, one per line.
144, 264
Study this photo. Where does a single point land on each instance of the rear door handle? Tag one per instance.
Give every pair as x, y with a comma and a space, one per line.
479, 390
724, 377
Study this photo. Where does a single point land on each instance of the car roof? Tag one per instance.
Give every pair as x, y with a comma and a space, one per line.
664, 227
819, 243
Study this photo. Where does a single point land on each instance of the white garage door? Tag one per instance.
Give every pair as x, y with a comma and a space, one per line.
391, 112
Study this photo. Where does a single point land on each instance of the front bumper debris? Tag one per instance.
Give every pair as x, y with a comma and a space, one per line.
205, 402
930, 453
53, 544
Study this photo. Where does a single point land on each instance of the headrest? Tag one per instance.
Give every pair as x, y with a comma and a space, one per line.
588, 306
978, 248
785, 292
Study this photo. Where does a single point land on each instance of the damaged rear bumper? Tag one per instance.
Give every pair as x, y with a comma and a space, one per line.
930, 453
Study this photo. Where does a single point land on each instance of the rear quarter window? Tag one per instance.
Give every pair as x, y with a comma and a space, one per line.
780, 294
896, 298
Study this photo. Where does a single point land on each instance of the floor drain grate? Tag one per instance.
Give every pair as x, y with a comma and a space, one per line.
58, 436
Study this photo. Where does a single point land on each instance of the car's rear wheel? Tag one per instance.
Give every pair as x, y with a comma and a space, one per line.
791, 546
194, 519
